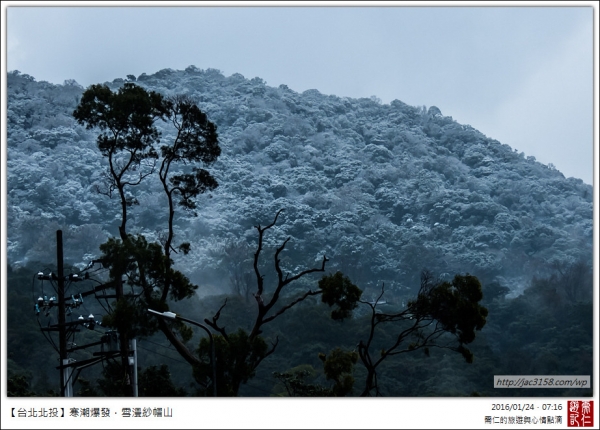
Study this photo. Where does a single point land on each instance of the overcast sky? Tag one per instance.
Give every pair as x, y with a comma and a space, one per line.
521, 75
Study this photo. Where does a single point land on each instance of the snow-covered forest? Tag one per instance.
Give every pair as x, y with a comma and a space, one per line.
383, 190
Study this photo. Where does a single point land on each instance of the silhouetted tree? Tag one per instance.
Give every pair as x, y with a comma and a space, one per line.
126, 120
129, 140
239, 354
444, 315
338, 367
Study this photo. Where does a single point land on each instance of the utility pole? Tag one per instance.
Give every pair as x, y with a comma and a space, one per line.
66, 329
135, 375
128, 383
62, 330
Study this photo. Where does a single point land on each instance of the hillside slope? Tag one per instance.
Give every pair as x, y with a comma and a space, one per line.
382, 190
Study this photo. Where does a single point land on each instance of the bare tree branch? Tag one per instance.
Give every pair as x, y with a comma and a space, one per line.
214, 323
291, 305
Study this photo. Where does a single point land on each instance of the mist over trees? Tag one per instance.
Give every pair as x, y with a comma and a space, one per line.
383, 191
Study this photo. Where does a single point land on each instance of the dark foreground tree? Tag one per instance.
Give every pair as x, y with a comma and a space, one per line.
444, 315
239, 354
128, 135
338, 367
130, 142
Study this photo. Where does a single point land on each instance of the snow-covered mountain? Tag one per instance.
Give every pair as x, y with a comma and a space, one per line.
382, 189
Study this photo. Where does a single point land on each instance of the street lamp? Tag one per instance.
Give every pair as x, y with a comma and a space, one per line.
173, 315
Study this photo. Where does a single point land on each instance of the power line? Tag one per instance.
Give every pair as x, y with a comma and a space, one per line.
169, 346
162, 355
48, 338
67, 330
